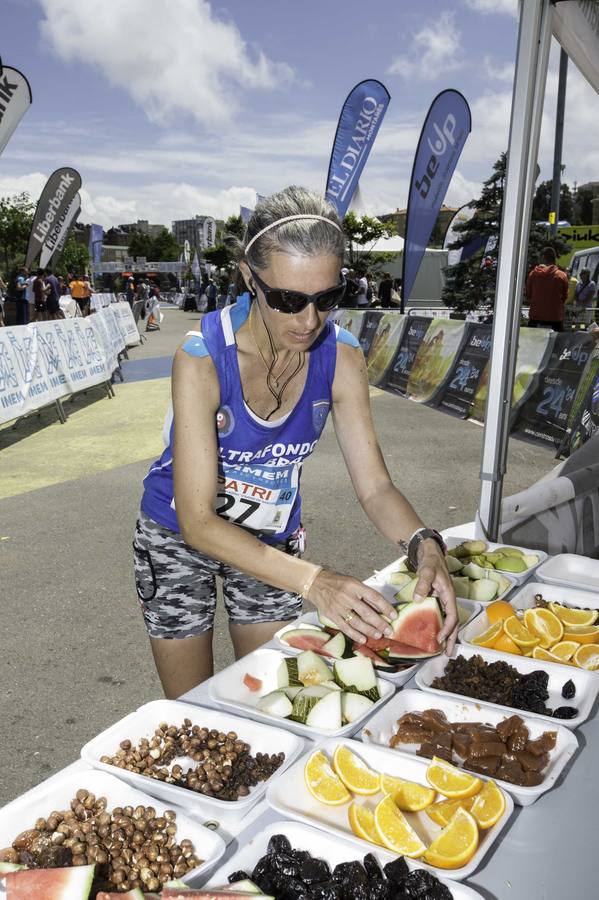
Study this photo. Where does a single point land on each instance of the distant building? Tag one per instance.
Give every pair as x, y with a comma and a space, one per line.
199, 231
592, 186
398, 218
143, 227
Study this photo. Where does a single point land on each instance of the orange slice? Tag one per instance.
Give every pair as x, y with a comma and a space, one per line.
587, 657
443, 811
361, 822
540, 653
570, 616
456, 844
584, 634
507, 645
407, 795
545, 625
498, 610
565, 650
488, 806
354, 773
322, 782
489, 636
395, 832
451, 781
515, 630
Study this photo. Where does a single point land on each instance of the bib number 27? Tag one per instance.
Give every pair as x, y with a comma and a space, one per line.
243, 508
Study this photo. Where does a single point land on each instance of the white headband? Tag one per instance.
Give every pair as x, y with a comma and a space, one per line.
291, 219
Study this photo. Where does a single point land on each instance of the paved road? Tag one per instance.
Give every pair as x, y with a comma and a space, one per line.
74, 654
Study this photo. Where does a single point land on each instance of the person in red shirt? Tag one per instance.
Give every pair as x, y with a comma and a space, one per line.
546, 290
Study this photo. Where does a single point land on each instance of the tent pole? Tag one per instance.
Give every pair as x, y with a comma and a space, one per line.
532, 60
559, 139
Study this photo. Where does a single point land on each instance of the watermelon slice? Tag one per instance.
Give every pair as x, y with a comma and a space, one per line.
418, 624
253, 684
59, 884
135, 894
306, 639
6, 867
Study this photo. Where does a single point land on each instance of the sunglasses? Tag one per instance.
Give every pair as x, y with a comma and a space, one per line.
295, 301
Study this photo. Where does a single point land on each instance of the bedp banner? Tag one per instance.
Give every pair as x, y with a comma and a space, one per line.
52, 208
15, 100
446, 127
58, 235
96, 237
359, 122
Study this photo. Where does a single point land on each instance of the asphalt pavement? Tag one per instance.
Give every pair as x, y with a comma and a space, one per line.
75, 657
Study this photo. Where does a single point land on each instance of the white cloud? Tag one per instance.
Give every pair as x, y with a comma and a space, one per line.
435, 51
499, 71
170, 57
494, 6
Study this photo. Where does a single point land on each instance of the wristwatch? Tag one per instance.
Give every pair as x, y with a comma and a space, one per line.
410, 548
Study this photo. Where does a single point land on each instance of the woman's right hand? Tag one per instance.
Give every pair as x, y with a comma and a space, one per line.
354, 607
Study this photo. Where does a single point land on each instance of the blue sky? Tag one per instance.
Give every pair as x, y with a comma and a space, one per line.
174, 107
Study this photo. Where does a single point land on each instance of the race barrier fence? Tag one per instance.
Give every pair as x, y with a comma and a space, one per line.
45, 362
444, 363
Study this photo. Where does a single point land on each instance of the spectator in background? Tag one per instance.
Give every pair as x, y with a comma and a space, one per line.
546, 290
40, 293
585, 293
350, 296
78, 293
20, 297
53, 297
62, 286
88, 293
362, 296
385, 288
30, 297
211, 295
130, 291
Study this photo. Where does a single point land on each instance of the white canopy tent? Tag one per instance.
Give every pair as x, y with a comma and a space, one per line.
575, 24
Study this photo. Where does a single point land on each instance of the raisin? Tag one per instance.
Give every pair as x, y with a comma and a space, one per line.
569, 690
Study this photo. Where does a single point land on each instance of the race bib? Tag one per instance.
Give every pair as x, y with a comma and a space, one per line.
257, 498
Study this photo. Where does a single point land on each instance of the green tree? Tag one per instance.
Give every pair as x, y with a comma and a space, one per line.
74, 259
219, 256
141, 245
165, 247
362, 234
583, 207
234, 226
541, 204
16, 216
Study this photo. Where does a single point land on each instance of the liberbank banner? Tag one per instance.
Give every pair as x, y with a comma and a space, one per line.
359, 122
52, 209
15, 100
444, 133
58, 235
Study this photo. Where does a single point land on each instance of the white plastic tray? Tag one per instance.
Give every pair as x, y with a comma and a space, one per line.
524, 598
586, 683
332, 849
289, 796
381, 728
310, 620
518, 578
39, 802
228, 690
261, 738
571, 570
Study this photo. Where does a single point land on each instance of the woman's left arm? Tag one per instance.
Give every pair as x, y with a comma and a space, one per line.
383, 503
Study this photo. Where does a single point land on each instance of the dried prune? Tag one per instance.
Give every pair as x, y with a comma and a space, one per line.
314, 870
439, 892
238, 876
569, 690
372, 868
418, 883
565, 712
397, 871
279, 844
327, 890
350, 873
285, 864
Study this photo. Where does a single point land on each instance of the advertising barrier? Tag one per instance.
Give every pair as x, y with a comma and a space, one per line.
457, 397
412, 337
583, 421
383, 346
544, 416
437, 351
46, 361
370, 323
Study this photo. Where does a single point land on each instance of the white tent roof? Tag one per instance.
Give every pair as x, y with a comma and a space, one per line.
388, 245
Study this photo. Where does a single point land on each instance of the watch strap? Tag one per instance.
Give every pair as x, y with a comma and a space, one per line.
420, 535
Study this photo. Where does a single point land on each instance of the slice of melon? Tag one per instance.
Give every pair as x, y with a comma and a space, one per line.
336, 647
326, 714
6, 867
311, 669
306, 638
59, 884
418, 624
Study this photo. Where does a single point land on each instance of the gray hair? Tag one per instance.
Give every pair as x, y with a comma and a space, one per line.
303, 237
585, 271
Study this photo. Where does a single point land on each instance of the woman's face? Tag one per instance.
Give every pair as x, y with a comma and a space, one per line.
308, 274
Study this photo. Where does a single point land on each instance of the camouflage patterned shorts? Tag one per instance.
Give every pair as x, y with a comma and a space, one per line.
177, 589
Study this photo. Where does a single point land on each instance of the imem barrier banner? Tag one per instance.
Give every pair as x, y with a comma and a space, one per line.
52, 208
444, 133
359, 122
544, 417
15, 100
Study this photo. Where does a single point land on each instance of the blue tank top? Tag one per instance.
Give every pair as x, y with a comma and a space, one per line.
259, 462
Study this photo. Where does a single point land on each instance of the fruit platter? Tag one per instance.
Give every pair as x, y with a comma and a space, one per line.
512, 684
378, 798
302, 693
394, 658
570, 570
542, 622
516, 563
466, 735
474, 576
96, 814
347, 873
201, 759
